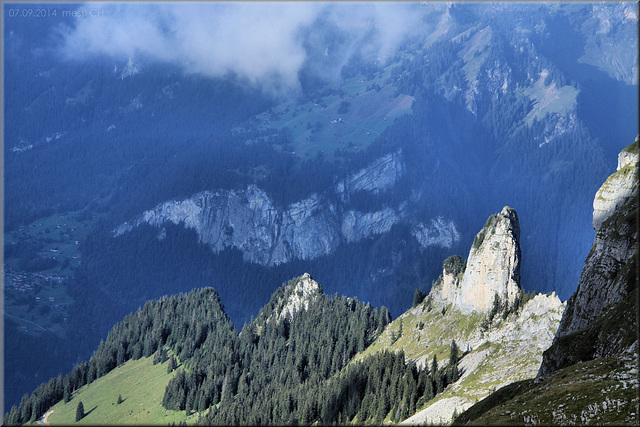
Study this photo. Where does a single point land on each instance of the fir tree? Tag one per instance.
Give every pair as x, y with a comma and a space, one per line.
80, 411
172, 365
418, 297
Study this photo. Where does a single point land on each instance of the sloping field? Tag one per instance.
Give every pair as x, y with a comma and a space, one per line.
141, 385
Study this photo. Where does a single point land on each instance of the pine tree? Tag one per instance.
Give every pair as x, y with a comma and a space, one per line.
453, 373
418, 297
434, 366
172, 365
119, 399
79, 411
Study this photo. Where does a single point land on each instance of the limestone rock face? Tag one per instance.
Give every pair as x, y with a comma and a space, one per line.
358, 225
615, 244
602, 307
299, 296
616, 189
511, 350
379, 176
493, 267
248, 219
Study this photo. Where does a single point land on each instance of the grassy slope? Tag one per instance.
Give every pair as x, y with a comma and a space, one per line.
488, 367
141, 385
602, 391
549, 99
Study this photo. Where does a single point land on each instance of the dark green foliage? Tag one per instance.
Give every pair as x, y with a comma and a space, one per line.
160, 355
119, 401
452, 369
79, 411
495, 309
172, 365
277, 371
489, 227
418, 297
180, 322
428, 304
344, 107
454, 265
273, 373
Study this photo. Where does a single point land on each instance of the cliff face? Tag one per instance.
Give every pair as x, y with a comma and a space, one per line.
380, 176
616, 189
600, 318
493, 267
250, 221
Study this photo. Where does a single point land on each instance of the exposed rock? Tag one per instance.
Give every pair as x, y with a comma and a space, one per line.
493, 267
600, 318
440, 413
511, 350
248, 220
616, 189
358, 225
299, 294
379, 176
440, 233
615, 243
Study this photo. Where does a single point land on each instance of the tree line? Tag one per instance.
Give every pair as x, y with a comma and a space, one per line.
278, 369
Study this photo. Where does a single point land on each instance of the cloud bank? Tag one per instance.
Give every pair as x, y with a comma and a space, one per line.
267, 44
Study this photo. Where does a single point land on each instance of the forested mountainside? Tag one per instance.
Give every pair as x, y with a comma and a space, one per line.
287, 365
142, 166
589, 374
308, 357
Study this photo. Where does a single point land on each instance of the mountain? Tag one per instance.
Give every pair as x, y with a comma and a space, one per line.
358, 149
589, 374
512, 355
336, 359
608, 287
479, 304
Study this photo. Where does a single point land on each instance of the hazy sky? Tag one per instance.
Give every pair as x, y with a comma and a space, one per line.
264, 42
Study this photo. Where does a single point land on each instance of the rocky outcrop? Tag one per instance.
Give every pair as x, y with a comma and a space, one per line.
250, 221
600, 317
509, 351
441, 233
379, 176
493, 267
616, 189
299, 294
358, 225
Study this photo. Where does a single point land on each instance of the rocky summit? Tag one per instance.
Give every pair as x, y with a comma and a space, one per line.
492, 268
502, 343
589, 374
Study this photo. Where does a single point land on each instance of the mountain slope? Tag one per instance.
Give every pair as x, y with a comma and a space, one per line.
589, 374
480, 305
480, 104
608, 285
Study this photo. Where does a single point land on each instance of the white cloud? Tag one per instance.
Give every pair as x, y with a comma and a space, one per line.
263, 42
